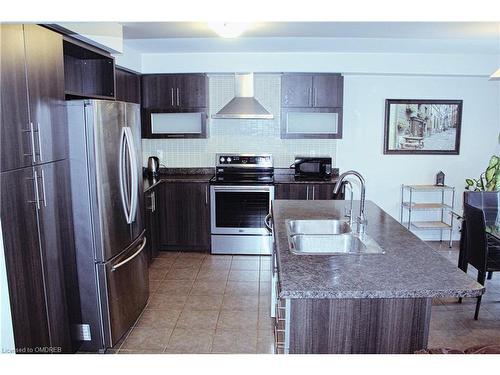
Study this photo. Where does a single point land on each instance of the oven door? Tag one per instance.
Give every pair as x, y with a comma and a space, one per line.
240, 209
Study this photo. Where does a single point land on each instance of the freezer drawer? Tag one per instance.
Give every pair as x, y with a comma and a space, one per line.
126, 283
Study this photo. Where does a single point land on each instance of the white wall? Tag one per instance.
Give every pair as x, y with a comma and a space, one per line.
362, 145
6, 333
354, 63
105, 35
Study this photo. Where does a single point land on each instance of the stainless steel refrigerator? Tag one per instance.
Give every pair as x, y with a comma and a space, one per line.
107, 193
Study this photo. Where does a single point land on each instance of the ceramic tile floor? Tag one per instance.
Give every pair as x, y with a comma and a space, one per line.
202, 303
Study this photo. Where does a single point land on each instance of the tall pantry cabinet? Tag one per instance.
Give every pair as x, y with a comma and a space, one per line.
34, 191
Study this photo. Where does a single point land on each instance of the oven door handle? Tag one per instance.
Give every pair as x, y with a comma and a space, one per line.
243, 189
268, 223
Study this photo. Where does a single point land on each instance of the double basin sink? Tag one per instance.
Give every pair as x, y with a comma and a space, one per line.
328, 237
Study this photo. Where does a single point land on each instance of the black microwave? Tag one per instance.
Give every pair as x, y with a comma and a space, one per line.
313, 167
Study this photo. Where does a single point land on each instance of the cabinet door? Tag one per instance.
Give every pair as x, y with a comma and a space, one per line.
57, 244
328, 90
292, 191
191, 90
128, 86
184, 216
322, 191
158, 91
22, 259
15, 137
45, 72
296, 90
151, 223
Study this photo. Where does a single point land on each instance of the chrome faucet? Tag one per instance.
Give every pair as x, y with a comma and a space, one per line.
361, 219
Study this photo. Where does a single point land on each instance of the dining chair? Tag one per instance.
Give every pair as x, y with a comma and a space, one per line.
480, 251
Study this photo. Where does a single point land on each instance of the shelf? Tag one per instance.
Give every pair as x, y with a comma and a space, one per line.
421, 225
426, 206
428, 187
79, 95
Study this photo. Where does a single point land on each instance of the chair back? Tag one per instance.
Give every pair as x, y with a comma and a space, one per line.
476, 251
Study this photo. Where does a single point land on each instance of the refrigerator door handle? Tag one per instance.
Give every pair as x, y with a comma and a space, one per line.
134, 174
121, 166
122, 263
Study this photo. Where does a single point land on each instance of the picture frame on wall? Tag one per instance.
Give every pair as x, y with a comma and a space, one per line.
422, 126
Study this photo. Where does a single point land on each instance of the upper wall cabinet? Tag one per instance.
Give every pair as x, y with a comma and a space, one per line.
311, 90
88, 71
33, 128
174, 105
128, 86
172, 91
311, 105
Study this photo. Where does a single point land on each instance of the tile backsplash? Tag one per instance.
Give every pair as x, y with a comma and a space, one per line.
239, 136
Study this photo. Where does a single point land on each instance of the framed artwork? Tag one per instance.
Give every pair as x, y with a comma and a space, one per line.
414, 126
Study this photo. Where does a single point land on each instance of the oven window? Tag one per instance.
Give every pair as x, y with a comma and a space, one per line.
241, 209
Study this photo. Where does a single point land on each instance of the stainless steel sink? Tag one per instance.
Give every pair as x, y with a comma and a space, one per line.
333, 244
318, 226
328, 237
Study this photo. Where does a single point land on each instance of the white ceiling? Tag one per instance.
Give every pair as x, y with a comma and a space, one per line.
400, 37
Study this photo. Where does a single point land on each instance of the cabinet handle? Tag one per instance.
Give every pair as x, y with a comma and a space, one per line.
178, 101
172, 96
37, 193
32, 138
314, 97
313, 190
206, 194
38, 131
307, 192
43, 190
309, 92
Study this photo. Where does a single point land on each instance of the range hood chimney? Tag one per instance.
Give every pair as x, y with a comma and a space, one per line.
243, 105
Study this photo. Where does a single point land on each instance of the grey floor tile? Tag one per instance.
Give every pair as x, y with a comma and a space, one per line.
237, 320
245, 265
208, 288
240, 303
192, 341
175, 287
151, 318
235, 342
241, 275
167, 302
211, 302
212, 274
242, 288
147, 339
198, 319
188, 273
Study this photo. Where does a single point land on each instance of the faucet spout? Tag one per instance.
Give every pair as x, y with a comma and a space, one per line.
361, 218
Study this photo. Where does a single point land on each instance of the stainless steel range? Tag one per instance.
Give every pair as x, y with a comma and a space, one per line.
241, 192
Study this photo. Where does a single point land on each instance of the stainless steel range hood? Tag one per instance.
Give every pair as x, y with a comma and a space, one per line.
243, 105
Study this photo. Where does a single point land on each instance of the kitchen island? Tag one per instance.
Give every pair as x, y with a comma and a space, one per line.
359, 303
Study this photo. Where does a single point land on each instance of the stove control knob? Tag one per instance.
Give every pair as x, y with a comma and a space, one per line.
222, 160
229, 160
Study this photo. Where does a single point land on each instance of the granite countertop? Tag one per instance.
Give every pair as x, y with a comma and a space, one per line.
290, 179
409, 269
179, 175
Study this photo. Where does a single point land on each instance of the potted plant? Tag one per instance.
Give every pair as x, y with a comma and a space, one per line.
489, 180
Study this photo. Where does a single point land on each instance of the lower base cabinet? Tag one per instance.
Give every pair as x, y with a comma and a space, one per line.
40, 259
306, 191
184, 216
151, 221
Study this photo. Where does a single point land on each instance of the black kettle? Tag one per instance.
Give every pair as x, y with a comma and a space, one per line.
153, 166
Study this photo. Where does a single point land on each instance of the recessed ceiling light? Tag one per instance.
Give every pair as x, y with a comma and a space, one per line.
496, 76
229, 29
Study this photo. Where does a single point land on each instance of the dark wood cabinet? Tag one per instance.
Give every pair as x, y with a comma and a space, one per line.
184, 216
33, 110
45, 76
306, 191
291, 191
312, 105
174, 93
296, 90
152, 222
327, 90
22, 259
312, 90
34, 193
88, 71
16, 142
128, 86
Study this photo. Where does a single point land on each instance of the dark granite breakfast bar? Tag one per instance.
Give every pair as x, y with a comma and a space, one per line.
360, 303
